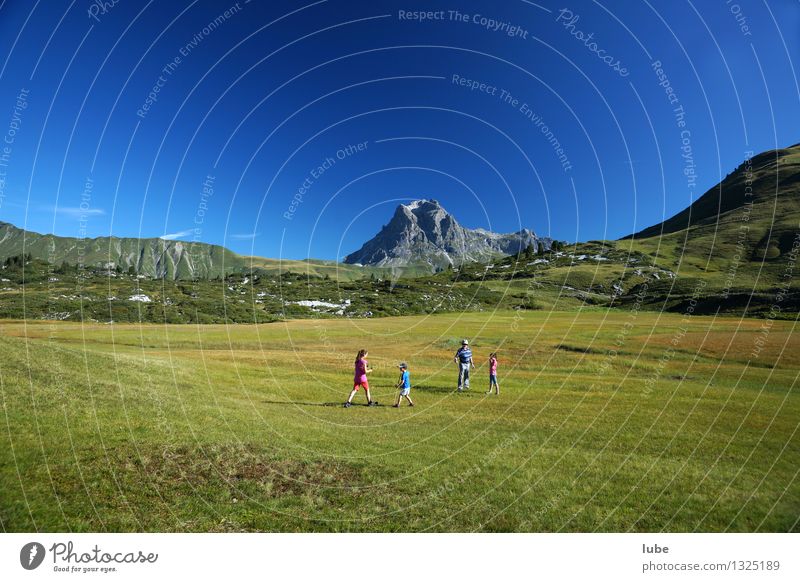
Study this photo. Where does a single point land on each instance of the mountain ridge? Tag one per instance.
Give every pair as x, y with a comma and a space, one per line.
153, 257
745, 229
748, 182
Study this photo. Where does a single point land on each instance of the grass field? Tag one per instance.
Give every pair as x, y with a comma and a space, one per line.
607, 421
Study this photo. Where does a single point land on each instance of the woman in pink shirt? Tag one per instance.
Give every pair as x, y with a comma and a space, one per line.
493, 374
360, 379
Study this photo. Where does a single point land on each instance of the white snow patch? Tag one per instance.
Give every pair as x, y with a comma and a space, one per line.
140, 297
314, 303
317, 305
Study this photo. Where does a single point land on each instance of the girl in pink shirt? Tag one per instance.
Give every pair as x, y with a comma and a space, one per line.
360, 379
493, 374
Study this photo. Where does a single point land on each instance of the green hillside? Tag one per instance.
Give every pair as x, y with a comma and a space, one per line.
152, 257
313, 268
740, 238
771, 178
746, 225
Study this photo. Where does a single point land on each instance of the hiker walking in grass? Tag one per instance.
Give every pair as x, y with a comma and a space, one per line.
360, 379
405, 386
463, 358
493, 374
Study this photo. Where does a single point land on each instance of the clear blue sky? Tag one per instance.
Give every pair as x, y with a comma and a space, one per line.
262, 95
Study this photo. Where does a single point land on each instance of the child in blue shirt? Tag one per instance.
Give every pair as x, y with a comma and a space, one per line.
405, 386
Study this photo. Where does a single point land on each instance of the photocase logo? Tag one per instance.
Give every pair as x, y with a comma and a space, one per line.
31, 555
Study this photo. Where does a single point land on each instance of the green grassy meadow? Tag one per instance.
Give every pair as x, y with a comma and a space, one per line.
608, 420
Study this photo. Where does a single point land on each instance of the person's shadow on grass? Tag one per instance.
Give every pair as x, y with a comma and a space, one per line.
434, 389
294, 403
421, 388
329, 404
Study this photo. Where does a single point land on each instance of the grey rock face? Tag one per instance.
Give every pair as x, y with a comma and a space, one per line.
425, 233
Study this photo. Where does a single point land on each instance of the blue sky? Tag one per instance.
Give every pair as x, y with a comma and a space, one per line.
550, 116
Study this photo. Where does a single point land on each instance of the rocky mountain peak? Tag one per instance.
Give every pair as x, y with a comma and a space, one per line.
423, 232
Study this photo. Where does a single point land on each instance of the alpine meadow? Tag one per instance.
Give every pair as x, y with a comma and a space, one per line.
259, 263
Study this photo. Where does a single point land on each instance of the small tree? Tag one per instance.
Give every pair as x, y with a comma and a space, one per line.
530, 252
